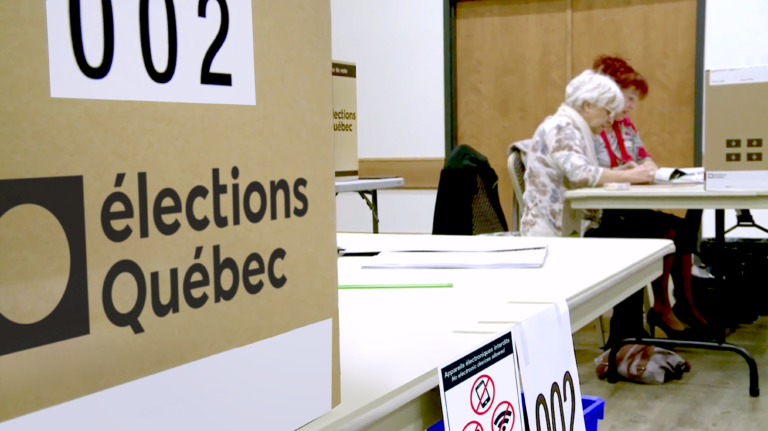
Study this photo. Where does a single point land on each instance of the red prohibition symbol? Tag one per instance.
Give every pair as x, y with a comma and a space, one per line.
503, 418
473, 426
482, 394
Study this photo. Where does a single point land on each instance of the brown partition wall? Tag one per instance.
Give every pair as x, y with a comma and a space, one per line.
515, 57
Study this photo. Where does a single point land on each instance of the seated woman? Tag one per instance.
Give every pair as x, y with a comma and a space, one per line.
619, 146
562, 155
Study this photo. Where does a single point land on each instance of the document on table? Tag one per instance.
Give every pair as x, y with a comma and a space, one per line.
679, 176
532, 257
349, 245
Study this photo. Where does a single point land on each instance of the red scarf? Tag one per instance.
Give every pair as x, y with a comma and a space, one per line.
625, 157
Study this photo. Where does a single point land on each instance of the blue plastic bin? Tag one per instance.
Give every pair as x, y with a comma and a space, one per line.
594, 410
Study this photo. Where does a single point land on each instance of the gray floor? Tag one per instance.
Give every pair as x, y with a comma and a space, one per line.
713, 396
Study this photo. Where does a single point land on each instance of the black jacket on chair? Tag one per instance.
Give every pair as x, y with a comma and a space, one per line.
468, 196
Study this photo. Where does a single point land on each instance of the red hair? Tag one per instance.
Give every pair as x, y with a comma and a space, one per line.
621, 72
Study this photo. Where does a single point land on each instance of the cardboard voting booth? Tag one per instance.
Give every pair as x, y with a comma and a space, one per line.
345, 119
735, 129
166, 191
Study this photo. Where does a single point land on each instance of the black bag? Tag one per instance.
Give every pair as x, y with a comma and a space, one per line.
742, 297
467, 196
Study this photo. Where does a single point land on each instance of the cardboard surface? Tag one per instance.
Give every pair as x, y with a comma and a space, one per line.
735, 132
97, 168
345, 119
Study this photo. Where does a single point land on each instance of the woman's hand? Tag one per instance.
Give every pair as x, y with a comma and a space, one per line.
641, 174
637, 175
627, 166
649, 162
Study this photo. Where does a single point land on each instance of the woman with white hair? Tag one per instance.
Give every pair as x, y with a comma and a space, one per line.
562, 156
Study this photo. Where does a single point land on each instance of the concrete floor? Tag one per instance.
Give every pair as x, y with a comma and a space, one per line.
712, 396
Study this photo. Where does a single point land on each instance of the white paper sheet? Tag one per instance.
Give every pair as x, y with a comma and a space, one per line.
277, 384
744, 75
690, 175
548, 370
127, 77
524, 258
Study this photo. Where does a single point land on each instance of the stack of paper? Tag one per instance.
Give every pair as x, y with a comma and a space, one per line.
498, 259
677, 176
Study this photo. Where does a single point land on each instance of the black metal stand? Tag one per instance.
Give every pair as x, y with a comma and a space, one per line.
744, 220
754, 386
374, 206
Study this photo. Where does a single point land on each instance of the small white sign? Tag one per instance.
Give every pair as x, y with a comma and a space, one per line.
480, 390
548, 370
277, 384
744, 75
190, 51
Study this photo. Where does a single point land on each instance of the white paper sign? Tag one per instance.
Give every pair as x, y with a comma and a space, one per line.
480, 390
744, 75
548, 370
192, 51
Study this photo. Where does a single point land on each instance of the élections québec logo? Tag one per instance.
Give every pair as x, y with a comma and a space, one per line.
64, 198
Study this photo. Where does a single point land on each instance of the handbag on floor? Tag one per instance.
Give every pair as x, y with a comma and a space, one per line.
644, 364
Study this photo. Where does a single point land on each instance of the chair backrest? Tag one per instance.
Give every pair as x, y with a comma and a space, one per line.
516, 168
485, 217
467, 197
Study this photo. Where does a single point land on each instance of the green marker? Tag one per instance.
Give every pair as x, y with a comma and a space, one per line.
396, 286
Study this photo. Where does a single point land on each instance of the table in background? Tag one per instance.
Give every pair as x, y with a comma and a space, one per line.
370, 186
392, 340
681, 196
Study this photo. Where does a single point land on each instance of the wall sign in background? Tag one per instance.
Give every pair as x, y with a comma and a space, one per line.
191, 51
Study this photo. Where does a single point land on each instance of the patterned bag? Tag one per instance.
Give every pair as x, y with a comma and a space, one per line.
644, 364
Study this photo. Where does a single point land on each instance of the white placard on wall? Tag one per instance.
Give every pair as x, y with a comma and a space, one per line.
191, 51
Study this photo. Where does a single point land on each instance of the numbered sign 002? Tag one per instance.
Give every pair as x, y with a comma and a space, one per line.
193, 51
548, 405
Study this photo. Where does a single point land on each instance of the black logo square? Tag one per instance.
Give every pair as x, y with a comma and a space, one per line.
733, 143
62, 197
755, 143
733, 157
754, 157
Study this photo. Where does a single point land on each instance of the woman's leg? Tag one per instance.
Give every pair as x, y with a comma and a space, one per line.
627, 319
661, 302
681, 277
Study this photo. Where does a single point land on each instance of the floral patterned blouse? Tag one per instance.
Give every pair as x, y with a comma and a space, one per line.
557, 162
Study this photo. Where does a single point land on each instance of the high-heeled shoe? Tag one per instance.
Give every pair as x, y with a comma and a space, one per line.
655, 321
685, 314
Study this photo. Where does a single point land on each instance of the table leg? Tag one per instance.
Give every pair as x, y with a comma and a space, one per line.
374, 206
719, 227
375, 197
720, 247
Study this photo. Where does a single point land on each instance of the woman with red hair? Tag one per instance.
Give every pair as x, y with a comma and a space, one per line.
619, 146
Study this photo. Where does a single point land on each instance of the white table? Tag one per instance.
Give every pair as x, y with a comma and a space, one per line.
392, 340
677, 197
371, 187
